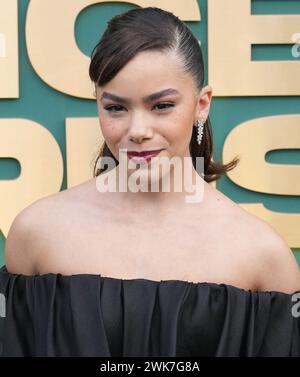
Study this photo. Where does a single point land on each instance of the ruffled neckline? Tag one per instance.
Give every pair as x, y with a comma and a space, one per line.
140, 280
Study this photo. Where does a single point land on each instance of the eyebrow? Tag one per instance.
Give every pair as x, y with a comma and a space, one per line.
147, 99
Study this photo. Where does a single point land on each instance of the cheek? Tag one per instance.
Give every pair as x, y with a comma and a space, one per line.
180, 129
110, 131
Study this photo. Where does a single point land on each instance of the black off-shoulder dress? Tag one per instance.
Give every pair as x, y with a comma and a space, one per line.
92, 315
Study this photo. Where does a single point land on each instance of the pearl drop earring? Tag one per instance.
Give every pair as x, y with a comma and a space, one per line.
200, 127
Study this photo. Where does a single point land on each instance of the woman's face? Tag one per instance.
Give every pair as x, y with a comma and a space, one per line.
138, 123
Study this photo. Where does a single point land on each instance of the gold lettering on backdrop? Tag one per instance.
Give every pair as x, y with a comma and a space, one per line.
231, 32
9, 67
252, 140
53, 50
41, 166
83, 142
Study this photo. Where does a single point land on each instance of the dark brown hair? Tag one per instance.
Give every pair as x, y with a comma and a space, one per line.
152, 28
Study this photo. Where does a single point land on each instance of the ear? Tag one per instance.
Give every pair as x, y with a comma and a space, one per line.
203, 103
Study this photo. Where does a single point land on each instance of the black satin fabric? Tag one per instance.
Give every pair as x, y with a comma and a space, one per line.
92, 315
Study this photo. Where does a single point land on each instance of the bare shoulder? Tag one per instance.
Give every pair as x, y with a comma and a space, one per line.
277, 266
20, 245
263, 254
272, 261
33, 230
38, 232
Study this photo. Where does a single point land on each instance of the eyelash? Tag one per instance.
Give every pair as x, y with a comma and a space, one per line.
109, 108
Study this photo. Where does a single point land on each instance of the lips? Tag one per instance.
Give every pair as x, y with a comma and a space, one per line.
143, 153
142, 157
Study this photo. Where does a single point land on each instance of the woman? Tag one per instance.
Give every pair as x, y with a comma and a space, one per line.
125, 273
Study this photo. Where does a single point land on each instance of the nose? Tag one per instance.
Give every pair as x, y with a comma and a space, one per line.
139, 129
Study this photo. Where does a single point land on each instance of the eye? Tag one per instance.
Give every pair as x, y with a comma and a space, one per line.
117, 108
113, 108
164, 105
